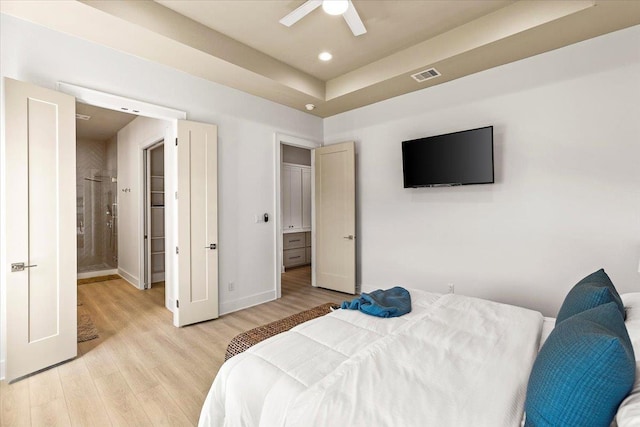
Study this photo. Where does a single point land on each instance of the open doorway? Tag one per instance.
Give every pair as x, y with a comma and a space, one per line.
96, 189
295, 221
154, 216
109, 206
296, 217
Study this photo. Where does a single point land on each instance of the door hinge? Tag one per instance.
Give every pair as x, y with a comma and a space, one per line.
177, 251
176, 141
177, 304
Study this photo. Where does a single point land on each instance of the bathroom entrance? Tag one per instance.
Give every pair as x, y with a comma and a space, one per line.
96, 189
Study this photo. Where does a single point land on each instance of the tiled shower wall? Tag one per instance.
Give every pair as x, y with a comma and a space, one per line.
96, 202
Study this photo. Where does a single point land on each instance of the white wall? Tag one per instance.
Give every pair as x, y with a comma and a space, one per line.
567, 195
132, 139
246, 127
111, 147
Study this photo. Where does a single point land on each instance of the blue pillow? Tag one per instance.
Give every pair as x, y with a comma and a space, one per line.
583, 371
594, 290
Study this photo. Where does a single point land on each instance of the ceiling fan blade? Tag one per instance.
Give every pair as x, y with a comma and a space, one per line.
353, 20
302, 11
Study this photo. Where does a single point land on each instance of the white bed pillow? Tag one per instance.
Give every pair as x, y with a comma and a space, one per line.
629, 411
547, 326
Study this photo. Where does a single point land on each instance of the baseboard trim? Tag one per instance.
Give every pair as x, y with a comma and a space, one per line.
246, 302
2, 370
97, 273
157, 277
131, 279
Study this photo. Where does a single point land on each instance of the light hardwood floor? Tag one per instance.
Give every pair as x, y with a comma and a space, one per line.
142, 370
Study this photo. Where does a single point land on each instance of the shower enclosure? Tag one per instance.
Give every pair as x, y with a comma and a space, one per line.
97, 222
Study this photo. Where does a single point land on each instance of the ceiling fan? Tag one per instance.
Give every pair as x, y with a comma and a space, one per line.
332, 7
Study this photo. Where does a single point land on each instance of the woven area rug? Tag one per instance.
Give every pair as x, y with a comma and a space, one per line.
252, 337
86, 328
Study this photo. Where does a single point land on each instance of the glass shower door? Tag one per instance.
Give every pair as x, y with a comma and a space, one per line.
97, 221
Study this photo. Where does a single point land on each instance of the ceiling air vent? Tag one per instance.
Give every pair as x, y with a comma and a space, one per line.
82, 116
425, 75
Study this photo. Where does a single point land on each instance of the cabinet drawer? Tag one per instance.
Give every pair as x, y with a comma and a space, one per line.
293, 257
293, 240
307, 237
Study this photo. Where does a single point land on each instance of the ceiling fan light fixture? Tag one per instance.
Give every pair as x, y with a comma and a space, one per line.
335, 7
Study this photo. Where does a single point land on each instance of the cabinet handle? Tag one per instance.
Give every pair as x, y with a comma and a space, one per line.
297, 240
294, 257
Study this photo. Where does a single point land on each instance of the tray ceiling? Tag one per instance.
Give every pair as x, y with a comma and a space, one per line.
241, 44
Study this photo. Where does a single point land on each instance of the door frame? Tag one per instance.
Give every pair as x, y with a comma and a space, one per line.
279, 140
154, 111
145, 215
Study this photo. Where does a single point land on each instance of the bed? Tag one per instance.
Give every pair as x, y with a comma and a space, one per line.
453, 361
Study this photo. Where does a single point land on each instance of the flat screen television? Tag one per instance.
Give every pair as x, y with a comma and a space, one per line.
458, 158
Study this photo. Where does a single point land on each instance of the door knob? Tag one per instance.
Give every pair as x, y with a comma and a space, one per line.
350, 237
19, 266
211, 246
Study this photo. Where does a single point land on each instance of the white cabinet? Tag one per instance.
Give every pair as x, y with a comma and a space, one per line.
296, 249
296, 198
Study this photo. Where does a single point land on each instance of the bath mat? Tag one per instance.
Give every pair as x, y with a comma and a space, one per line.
86, 328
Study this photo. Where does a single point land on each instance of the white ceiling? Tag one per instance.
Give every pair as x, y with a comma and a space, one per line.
393, 26
241, 44
103, 123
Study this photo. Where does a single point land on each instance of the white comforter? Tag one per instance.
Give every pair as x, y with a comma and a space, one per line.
452, 361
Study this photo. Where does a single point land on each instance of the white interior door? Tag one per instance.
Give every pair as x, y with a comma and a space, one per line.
40, 172
286, 198
296, 198
306, 198
197, 223
335, 191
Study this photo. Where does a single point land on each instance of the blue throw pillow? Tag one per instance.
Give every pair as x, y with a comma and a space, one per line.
583, 371
594, 290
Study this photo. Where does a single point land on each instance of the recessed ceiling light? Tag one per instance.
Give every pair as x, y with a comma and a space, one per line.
335, 7
309, 107
325, 56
